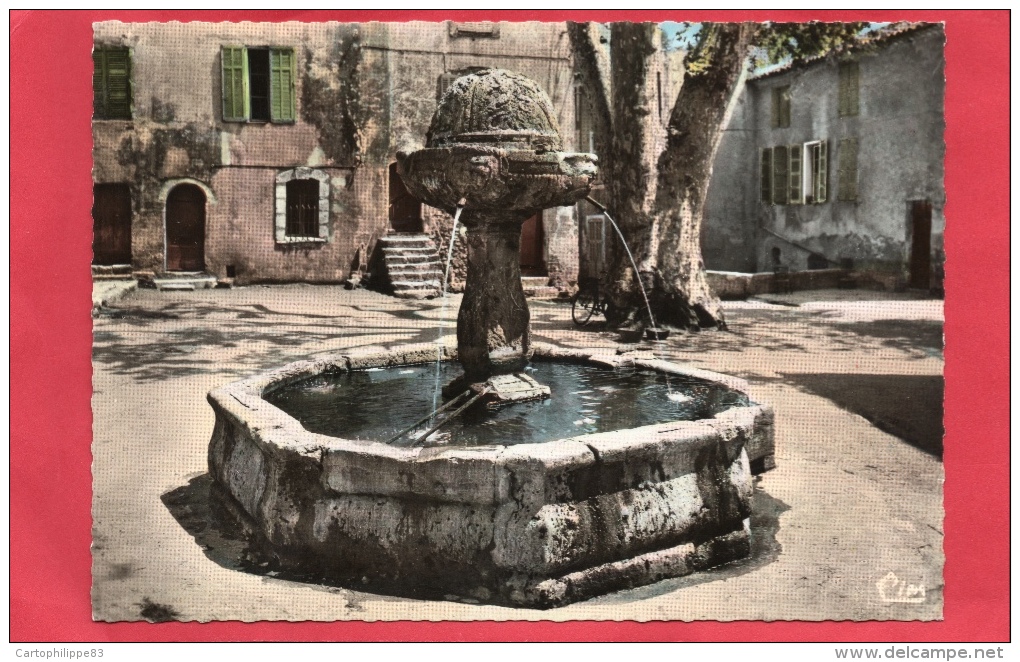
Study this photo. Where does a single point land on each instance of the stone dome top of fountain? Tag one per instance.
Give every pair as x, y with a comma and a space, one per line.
495, 106
494, 153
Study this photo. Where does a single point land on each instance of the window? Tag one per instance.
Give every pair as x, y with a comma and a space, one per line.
847, 170
111, 83
445, 81
794, 174
474, 29
816, 172
849, 89
781, 107
302, 206
258, 84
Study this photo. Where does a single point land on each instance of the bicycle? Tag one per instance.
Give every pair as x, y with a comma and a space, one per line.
587, 301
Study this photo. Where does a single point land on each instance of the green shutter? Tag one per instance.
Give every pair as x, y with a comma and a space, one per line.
796, 168
780, 174
235, 83
775, 108
848, 169
111, 83
766, 175
821, 172
849, 89
281, 84
98, 84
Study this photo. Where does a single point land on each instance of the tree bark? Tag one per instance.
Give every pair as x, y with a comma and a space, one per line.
632, 181
695, 129
657, 176
591, 64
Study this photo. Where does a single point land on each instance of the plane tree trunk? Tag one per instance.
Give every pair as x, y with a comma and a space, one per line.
657, 173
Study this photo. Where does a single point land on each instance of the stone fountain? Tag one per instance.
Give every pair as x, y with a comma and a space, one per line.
527, 524
495, 151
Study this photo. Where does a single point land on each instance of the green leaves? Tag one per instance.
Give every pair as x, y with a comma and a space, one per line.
780, 41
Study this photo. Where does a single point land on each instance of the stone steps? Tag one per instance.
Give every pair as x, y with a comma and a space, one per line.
182, 281
111, 271
413, 269
537, 287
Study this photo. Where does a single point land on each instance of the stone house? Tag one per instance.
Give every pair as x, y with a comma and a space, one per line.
265, 152
837, 162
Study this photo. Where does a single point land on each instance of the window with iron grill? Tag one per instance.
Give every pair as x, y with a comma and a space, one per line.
303, 208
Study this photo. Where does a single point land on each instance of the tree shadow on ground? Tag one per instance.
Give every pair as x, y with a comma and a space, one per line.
792, 329
226, 538
899, 334
173, 337
906, 406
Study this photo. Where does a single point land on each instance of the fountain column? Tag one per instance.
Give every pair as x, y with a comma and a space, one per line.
493, 333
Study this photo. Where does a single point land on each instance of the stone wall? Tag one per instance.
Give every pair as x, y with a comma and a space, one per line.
362, 93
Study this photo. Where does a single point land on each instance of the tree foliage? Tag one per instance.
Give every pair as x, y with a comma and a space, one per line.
777, 42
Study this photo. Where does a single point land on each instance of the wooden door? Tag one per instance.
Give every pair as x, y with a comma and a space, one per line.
595, 245
185, 229
405, 210
532, 254
111, 224
920, 244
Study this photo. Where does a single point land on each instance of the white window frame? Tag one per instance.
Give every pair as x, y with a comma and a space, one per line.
281, 205
807, 178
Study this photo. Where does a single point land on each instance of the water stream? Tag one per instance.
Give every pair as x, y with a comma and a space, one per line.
675, 396
637, 274
442, 310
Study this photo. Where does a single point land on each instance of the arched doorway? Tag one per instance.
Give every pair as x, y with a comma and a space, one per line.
185, 228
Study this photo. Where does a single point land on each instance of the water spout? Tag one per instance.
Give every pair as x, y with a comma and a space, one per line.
637, 275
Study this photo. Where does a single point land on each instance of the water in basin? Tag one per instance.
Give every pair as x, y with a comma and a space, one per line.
376, 404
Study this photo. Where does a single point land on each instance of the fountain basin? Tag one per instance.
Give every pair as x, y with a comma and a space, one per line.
536, 525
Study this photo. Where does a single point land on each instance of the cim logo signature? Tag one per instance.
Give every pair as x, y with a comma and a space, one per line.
893, 589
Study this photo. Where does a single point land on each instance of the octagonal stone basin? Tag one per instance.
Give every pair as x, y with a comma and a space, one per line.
535, 525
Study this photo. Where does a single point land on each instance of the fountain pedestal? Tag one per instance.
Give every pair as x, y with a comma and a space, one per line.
493, 325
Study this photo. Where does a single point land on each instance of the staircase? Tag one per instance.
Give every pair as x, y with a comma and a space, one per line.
411, 264
537, 287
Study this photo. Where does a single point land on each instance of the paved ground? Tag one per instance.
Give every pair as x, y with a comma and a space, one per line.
848, 504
